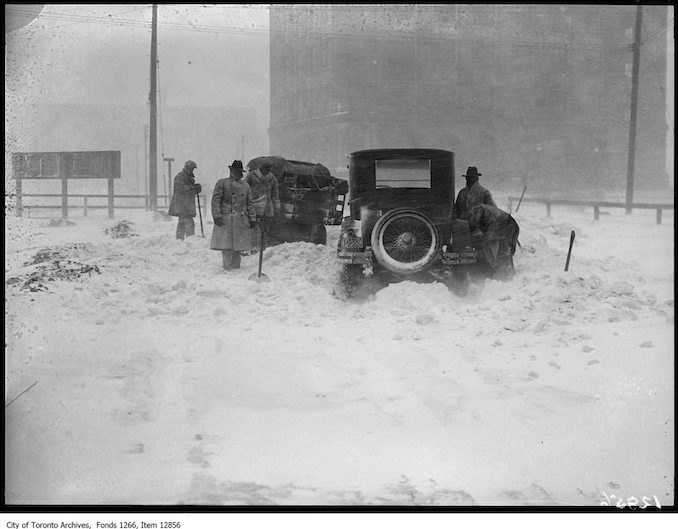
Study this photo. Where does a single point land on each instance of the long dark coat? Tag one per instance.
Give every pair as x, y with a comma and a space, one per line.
467, 199
264, 193
232, 201
183, 195
500, 233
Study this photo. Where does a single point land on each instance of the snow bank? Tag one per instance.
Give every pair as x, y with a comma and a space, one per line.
163, 379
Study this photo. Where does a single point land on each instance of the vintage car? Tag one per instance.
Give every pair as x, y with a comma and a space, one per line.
400, 224
310, 198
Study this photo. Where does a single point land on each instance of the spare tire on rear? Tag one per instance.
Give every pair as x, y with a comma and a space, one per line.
405, 241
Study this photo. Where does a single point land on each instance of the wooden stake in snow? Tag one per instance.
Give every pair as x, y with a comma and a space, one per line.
569, 251
521, 198
19, 395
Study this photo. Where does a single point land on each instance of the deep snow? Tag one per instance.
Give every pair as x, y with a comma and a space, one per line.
163, 380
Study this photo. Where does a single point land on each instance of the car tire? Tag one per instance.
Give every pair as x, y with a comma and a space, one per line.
405, 241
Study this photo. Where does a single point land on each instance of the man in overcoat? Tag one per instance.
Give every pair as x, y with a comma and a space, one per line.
183, 200
234, 216
472, 195
499, 237
265, 195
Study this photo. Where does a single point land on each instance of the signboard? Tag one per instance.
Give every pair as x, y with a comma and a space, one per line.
64, 165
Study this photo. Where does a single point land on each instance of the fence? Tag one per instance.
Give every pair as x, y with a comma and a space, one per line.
86, 205
596, 205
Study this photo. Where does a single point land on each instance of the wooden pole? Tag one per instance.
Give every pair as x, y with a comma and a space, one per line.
169, 177
153, 183
146, 186
631, 163
64, 185
569, 251
111, 194
19, 200
521, 198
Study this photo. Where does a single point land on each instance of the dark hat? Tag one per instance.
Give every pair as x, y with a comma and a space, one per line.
237, 164
473, 172
191, 163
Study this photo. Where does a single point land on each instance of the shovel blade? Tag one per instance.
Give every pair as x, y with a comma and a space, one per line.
259, 278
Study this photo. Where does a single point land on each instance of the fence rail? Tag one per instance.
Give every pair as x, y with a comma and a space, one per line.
595, 204
85, 205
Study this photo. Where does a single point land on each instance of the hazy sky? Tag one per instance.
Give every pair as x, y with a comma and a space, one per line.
208, 55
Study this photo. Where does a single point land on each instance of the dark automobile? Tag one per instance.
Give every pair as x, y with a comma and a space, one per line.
310, 198
400, 222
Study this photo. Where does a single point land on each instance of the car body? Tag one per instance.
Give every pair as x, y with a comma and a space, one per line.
310, 198
400, 224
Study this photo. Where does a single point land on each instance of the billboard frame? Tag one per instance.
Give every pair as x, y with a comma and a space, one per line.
107, 165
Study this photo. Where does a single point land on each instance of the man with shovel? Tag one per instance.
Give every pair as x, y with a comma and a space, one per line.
183, 200
234, 216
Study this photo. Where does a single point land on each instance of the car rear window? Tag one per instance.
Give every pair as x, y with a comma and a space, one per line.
404, 172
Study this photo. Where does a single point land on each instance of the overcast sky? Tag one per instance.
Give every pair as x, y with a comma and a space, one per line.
208, 55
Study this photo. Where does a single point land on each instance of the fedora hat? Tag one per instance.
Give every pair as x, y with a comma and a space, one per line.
472, 171
237, 164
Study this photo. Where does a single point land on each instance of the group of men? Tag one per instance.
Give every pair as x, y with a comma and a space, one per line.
242, 205
494, 231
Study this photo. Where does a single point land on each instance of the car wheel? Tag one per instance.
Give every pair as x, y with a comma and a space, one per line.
405, 241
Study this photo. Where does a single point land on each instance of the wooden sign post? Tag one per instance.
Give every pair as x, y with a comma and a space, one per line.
64, 166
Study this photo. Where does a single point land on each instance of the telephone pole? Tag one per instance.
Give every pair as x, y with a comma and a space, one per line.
631, 164
169, 177
153, 154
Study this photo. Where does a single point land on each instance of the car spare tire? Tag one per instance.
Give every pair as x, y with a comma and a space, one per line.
405, 241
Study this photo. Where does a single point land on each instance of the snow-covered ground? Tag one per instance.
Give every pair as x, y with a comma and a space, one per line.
156, 378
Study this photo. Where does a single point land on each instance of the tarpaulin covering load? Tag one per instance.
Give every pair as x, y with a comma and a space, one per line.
317, 175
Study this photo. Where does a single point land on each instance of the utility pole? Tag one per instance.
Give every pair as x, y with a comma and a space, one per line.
634, 111
153, 182
136, 159
146, 187
169, 175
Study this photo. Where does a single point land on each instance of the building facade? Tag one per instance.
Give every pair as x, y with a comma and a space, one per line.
537, 94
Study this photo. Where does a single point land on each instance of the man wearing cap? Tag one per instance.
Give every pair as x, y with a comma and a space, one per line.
472, 195
265, 195
234, 216
183, 200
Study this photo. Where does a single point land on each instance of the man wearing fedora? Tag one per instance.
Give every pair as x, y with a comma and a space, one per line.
183, 200
234, 216
470, 196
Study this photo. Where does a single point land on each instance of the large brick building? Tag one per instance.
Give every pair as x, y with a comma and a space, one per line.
535, 93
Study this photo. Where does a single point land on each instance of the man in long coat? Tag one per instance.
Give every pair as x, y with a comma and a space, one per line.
472, 195
499, 237
183, 200
234, 216
265, 195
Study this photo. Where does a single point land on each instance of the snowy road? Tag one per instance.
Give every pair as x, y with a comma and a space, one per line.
163, 380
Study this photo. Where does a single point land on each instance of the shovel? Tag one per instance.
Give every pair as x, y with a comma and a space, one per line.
260, 278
